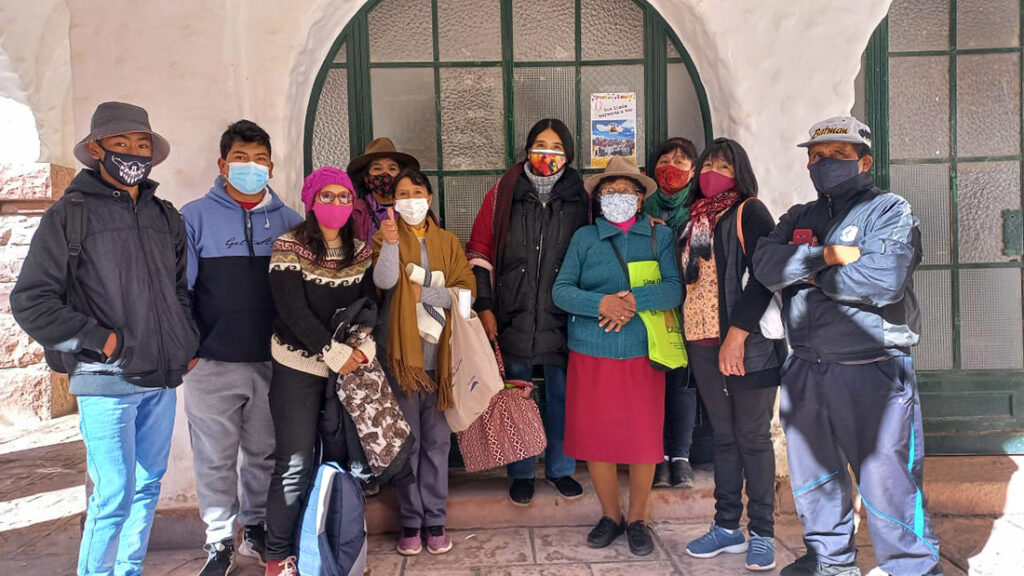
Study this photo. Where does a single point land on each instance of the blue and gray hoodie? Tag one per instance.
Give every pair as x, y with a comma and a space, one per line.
861, 312
228, 266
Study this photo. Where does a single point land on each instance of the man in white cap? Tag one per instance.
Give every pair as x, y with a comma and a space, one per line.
103, 290
845, 266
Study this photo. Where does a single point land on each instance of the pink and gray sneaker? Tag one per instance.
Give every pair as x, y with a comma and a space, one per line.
438, 541
411, 543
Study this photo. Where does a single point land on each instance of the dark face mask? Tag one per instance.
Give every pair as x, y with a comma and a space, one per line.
828, 173
126, 169
380, 185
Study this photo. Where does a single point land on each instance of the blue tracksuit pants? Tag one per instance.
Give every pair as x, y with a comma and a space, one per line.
867, 417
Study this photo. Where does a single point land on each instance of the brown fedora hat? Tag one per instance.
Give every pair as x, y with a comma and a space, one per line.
114, 119
624, 167
381, 148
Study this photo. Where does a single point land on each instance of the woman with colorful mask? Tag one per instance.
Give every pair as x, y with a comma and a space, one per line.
674, 173
420, 367
615, 398
374, 174
735, 366
516, 248
315, 269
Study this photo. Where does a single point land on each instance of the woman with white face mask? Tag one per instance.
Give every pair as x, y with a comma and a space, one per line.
420, 366
615, 399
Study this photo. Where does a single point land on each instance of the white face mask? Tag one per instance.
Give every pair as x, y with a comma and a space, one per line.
412, 210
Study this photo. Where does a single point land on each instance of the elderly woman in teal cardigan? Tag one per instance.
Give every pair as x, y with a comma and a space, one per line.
615, 400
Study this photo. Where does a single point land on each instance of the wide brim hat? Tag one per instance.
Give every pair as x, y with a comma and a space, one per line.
381, 148
620, 166
116, 118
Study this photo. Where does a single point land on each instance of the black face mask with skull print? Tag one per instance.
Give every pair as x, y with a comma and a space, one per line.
127, 169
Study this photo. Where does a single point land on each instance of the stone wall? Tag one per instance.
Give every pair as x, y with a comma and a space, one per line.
28, 390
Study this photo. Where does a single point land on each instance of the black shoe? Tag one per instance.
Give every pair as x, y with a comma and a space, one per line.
370, 487
254, 543
567, 487
521, 491
639, 537
606, 531
661, 475
221, 559
682, 474
808, 565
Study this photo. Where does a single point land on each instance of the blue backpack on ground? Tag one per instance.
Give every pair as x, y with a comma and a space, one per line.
332, 541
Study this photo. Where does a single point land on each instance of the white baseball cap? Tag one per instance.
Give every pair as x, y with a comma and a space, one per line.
839, 129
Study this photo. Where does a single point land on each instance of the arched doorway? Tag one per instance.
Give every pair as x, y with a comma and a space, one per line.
459, 82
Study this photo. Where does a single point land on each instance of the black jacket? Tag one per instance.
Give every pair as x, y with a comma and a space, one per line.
132, 271
531, 329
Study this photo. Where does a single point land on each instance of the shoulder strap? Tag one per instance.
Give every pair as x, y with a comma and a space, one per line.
739, 225
622, 261
654, 239
74, 230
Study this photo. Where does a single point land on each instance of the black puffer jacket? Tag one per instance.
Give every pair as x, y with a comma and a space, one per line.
131, 270
531, 329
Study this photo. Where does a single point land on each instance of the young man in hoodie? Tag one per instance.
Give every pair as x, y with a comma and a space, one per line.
230, 233
845, 266
103, 290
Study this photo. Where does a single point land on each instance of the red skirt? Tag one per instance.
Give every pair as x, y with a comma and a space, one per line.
614, 410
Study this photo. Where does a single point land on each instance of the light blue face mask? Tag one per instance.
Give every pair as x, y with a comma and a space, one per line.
248, 177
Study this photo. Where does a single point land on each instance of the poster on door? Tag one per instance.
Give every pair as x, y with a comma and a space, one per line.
613, 127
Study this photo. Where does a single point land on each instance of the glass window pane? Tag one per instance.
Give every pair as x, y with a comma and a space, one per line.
987, 23
990, 319
403, 110
988, 105
544, 31
860, 90
611, 29
684, 117
926, 187
919, 107
469, 30
919, 25
985, 190
543, 93
670, 49
401, 31
463, 196
330, 126
341, 54
595, 79
472, 118
934, 295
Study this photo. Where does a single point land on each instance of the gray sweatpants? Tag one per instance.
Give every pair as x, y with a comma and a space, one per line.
228, 410
423, 503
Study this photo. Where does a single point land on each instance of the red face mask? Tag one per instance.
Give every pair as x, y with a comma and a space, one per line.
712, 183
671, 178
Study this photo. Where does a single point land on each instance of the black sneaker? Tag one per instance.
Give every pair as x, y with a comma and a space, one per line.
606, 531
567, 487
254, 543
521, 491
681, 473
639, 537
661, 475
221, 559
808, 565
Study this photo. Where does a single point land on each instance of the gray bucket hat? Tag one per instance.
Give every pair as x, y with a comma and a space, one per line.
114, 118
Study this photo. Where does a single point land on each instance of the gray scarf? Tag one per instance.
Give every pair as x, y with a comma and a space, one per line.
543, 184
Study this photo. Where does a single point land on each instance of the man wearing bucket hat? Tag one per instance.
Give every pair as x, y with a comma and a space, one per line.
373, 175
845, 265
103, 289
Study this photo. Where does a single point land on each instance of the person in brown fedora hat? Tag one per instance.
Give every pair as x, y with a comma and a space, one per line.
103, 290
374, 174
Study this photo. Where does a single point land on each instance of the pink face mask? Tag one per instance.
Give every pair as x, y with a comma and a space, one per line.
712, 183
332, 216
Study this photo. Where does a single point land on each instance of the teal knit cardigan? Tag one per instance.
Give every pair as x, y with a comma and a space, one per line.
590, 271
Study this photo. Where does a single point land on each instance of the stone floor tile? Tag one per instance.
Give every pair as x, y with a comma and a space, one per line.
675, 537
55, 564
504, 547
537, 570
382, 543
664, 568
427, 570
983, 545
384, 564
569, 545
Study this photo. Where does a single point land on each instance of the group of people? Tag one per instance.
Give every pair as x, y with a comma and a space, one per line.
239, 298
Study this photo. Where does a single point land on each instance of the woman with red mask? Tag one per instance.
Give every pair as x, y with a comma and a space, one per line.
674, 173
735, 366
373, 175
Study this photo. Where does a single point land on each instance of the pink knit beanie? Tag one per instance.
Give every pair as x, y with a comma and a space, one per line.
321, 177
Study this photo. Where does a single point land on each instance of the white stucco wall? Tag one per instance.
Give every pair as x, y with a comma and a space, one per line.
771, 69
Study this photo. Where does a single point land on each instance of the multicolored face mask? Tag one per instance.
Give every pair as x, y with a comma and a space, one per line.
547, 162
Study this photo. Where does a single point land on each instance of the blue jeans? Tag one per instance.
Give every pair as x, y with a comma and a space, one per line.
680, 413
127, 441
556, 463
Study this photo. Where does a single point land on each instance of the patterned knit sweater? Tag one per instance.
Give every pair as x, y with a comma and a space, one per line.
306, 296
